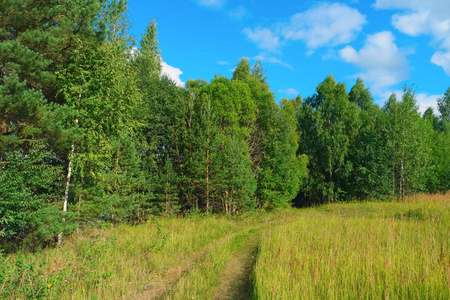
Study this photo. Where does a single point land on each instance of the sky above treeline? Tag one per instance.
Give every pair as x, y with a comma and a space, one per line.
388, 43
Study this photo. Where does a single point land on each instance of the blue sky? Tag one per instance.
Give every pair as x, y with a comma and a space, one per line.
388, 43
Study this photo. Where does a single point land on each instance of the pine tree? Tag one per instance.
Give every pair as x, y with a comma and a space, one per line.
166, 192
235, 180
202, 146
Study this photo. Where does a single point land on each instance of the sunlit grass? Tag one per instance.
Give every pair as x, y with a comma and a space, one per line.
205, 276
358, 251
124, 261
354, 250
106, 263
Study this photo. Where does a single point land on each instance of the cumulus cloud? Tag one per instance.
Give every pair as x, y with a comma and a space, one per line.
442, 59
424, 101
289, 91
325, 25
173, 73
264, 38
418, 17
383, 63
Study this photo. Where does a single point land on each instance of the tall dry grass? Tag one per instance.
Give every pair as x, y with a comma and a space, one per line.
110, 262
360, 251
126, 261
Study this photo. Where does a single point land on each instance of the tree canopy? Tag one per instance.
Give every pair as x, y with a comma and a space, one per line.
90, 123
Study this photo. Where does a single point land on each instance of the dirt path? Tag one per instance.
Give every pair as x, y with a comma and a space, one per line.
235, 279
161, 284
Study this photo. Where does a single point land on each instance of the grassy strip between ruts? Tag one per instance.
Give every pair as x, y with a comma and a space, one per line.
359, 251
199, 283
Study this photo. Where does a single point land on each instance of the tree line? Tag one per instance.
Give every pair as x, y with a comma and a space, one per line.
91, 125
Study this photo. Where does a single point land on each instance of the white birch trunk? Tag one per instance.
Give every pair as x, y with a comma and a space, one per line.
66, 193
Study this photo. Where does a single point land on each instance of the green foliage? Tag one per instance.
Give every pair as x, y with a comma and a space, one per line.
369, 177
166, 189
329, 124
408, 145
235, 180
88, 118
431, 118
283, 171
21, 111
28, 206
444, 109
438, 175
148, 58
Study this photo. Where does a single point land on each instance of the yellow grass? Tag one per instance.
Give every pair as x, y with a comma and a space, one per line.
107, 263
360, 251
369, 250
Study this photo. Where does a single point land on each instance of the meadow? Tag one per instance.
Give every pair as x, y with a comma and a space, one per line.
369, 250
359, 251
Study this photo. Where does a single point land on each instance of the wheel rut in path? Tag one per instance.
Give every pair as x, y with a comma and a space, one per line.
159, 287
236, 282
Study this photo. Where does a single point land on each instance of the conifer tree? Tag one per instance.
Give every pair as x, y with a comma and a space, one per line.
202, 146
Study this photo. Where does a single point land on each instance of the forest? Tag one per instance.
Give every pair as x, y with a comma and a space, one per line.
92, 133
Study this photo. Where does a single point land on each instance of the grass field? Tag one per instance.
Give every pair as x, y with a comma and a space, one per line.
359, 251
366, 250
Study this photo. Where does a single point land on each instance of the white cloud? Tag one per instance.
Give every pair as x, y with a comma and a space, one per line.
173, 73
384, 64
325, 25
263, 38
223, 62
211, 3
412, 24
442, 59
289, 91
237, 13
419, 17
272, 60
423, 101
